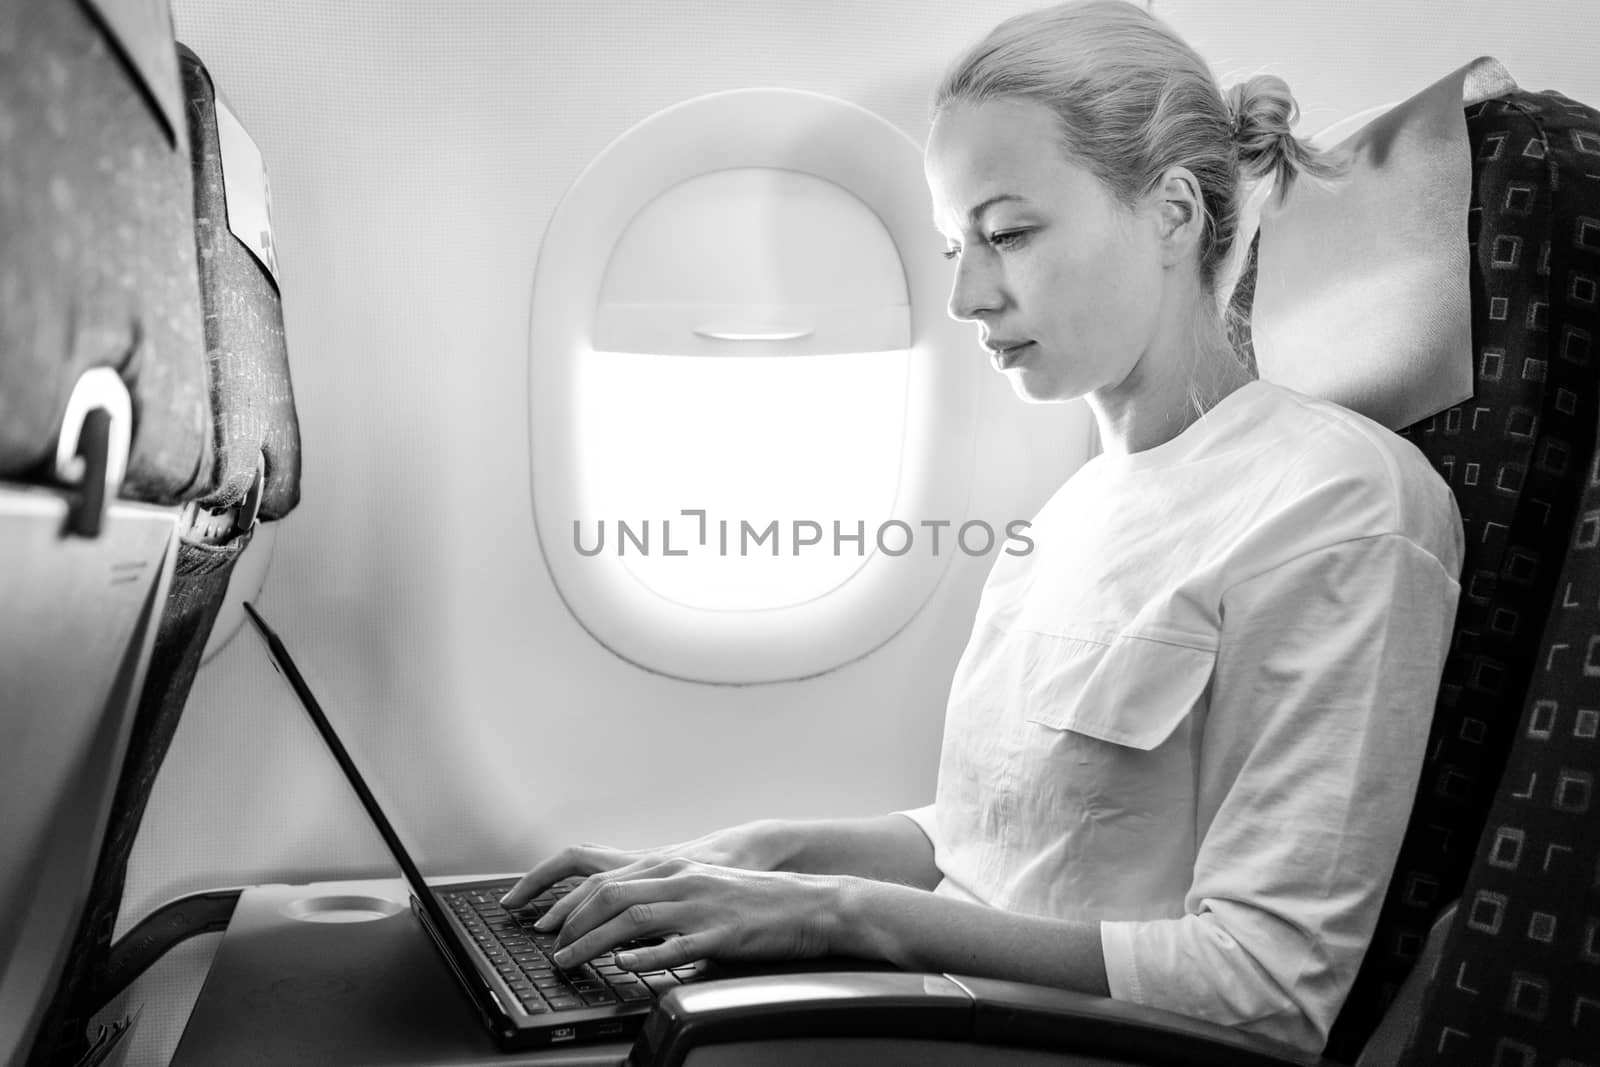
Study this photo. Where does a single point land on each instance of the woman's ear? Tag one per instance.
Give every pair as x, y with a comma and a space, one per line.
1182, 219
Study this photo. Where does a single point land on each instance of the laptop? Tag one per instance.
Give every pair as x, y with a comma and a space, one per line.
498, 958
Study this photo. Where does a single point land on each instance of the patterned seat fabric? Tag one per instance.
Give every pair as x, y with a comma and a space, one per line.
1519, 980
1519, 457
97, 252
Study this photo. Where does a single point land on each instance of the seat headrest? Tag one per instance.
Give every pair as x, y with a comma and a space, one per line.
1361, 291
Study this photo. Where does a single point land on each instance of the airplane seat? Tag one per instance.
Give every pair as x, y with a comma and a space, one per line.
103, 435
1502, 818
121, 283
1519, 455
1519, 979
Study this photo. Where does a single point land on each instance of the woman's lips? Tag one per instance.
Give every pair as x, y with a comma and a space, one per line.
1005, 359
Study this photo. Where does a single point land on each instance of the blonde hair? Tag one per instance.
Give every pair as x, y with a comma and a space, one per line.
1133, 99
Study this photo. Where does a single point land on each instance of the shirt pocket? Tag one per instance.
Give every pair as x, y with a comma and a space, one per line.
1129, 689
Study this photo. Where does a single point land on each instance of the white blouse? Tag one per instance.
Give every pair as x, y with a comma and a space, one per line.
1196, 710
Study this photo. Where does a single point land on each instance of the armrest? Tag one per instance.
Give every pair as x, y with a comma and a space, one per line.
967, 1014
777, 1007
158, 933
1015, 1013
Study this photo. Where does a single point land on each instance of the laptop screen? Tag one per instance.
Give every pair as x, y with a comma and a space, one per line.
413, 875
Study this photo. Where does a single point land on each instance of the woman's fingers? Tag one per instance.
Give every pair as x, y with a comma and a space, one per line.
601, 896
575, 860
562, 911
702, 910
735, 847
673, 952
642, 919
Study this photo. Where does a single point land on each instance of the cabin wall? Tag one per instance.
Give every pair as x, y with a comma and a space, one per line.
1344, 56
416, 153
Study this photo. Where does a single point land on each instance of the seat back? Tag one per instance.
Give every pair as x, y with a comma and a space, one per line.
105, 281
97, 254
1518, 455
255, 472
1519, 978
102, 401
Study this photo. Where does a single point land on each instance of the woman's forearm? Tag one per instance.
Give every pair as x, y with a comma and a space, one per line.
921, 931
885, 848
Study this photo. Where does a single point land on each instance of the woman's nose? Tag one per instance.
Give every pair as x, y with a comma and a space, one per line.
975, 288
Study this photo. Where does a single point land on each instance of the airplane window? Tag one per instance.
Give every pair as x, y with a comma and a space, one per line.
734, 381
750, 422
786, 466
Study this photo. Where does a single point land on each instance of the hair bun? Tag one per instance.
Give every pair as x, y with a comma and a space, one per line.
1263, 113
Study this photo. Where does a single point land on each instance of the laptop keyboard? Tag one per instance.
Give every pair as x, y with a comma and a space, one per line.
522, 956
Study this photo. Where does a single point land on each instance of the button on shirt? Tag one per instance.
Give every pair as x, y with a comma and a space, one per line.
1196, 710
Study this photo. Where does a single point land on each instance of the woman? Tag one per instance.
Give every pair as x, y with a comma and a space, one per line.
1182, 743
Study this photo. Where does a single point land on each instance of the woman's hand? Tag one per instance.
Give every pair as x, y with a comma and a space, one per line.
702, 911
752, 846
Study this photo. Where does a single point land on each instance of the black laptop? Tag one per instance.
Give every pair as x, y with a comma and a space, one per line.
497, 956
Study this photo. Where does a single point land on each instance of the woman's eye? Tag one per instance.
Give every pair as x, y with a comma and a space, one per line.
1002, 240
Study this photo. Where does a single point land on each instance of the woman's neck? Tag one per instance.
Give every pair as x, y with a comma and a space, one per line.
1170, 389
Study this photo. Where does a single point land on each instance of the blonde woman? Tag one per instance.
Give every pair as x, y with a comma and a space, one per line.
1182, 743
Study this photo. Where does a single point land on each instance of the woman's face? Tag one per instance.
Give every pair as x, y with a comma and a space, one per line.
1063, 281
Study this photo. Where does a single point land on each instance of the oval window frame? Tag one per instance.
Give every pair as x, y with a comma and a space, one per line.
878, 163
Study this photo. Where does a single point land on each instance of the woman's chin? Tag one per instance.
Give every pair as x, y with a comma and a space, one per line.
1030, 389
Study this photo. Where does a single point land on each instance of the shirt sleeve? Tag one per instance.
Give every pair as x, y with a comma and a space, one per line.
1327, 673
924, 818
